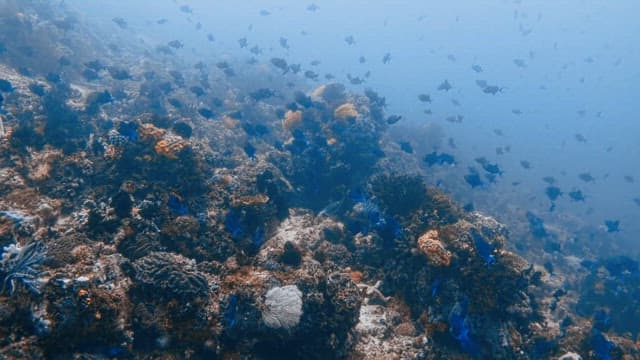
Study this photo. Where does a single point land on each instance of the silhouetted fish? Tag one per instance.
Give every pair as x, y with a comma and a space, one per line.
520, 63
492, 89
435, 158
211, 38
553, 192
362, 59
516, 111
284, 43
406, 147
243, 42
392, 119
455, 119
162, 21
586, 177
444, 86
580, 138
482, 83
525, 164
122, 23
350, 40
355, 80
549, 180
255, 50
386, 58
424, 98
295, 68
261, 94
311, 75
629, 179
473, 178
315, 63
576, 195
186, 9
176, 44
312, 7
264, 12
477, 68
612, 225
205, 112
281, 64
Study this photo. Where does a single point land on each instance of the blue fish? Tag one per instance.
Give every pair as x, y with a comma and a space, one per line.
483, 247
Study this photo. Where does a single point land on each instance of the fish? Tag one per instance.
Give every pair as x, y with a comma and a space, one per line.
580, 138
612, 225
250, 150
122, 23
536, 225
243, 42
315, 63
311, 75
206, 113
6, 86
284, 43
261, 94
457, 119
489, 167
362, 59
586, 177
482, 83
176, 44
264, 12
636, 201
186, 9
576, 195
444, 86
312, 7
211, 38
406, 147
476, 68
281, 64
473, 178
424, 98
436, 158
255, 50
549, 180
295, 68
162, 21
386, 58
455, 102
197, 90
118, 73
629, 179
516, 112
520, 63
451, 58
329, 76
355, 80
392, 119
198, 26
498, 132
350, 40
553, 192
525, 164
492, 89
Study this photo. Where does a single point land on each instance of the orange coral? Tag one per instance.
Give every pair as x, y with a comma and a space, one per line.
292, 119
149, 132
170, 146
430, 245
345, 111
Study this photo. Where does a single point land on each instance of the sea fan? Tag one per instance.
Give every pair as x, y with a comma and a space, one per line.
20, 264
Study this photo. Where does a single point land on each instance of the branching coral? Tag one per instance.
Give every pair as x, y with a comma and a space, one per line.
20, 264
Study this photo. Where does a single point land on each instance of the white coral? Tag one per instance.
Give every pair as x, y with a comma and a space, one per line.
284, 307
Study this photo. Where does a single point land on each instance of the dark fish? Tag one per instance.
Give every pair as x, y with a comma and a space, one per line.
264, 12
197, 90
580, 138
163, 49
162, 21
261, 94
492, 89
435, 158
312, 7
473, 178
6, 86
175, 103
284, 43
386, 58
122, 23
477, 68
576, 195
549, 180
428, 112
183, 129
255, 50
34, 88
302, 99
281, 64
243, 42
186, 9
452, 143
198, 26
95, 65
482, 83
222, 65
392, 119
176, 44
118, 73
350, 40
424, 98
206, 113
355, 80
553, 192
536, 225
211, 38
498, 132
311, 75
315, 63
629, 179
516, 112
229, 72
406, 147
525, 164
329, 76
455, 102
451, 57
586, 177
637, 201
520, 63
444, 86
362, 60
489, 167
456, 119
295, 68
612, 225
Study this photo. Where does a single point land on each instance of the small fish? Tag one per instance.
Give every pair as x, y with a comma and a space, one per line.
520, 63
362, 59
315, 63
392, 119
198, 26
451, 58
355, 80
281, 64
206, 113
482, 83
576, 195
176, 44
580, 138
444, 86
284, 43
586, 177
197, 90
243, 42
250, 150
211, 38
6, 86
435, 158
492, 89
311, 75
406, 147
386, 58
350, 40
629, 179
553, 192
122, 23
477, 68
264, 12
424, 98
456, 119
261, 94
636, 201
329, 76
186, 9
549, 180
312, 7
255, 50
162, 21
516, 112
612, 225
473, 178
525, 164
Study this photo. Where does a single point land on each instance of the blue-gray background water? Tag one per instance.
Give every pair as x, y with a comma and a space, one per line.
566, 71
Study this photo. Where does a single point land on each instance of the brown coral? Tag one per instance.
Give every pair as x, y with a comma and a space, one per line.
149, 132
430, 245
250, 200
170, 146
345, 111
292, 119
